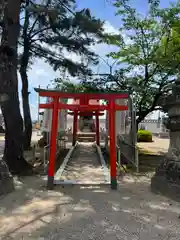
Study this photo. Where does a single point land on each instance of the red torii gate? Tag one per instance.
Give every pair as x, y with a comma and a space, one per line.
84, 105
85, 101
85, 113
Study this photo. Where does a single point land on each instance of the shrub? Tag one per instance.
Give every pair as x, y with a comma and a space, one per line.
144, 136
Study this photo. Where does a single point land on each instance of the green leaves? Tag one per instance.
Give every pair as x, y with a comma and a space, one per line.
116, 39
149, 53
69, 86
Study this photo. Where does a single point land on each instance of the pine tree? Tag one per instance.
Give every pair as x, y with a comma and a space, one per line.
13, 152
52, 29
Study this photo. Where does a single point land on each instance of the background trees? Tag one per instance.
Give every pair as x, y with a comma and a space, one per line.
148, 56
69, 86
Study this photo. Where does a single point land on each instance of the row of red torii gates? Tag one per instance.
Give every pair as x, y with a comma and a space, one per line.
82, 107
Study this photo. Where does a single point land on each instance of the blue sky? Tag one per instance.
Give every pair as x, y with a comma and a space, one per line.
41, 73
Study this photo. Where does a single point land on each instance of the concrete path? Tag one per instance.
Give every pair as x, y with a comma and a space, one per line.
84, 166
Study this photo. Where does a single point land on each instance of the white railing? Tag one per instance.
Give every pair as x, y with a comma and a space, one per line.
103, 164
66, 159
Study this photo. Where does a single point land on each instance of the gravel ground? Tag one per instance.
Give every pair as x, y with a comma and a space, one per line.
85, 212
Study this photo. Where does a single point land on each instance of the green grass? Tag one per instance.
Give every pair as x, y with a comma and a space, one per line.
143, 151
148, 162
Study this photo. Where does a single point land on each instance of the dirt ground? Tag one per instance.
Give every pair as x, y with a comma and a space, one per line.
88, 212
158, 146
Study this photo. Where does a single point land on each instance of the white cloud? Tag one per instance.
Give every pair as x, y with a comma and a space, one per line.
108, 28
41, 73
33, 109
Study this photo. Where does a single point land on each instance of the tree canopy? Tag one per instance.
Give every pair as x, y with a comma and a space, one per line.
54, 29
74, 87
148, 55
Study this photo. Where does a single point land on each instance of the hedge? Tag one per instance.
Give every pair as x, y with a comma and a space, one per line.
144, 136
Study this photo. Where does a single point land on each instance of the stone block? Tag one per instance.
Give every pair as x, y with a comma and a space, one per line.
166, 179
161, 185
6, 179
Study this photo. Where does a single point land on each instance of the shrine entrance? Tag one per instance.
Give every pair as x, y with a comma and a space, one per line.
83, 108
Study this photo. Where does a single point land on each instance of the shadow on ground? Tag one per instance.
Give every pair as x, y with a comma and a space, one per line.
149, 162
87, 212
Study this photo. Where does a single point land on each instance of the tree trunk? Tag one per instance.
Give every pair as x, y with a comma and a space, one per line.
6, 180
141, 117
26, 110
24, 79
137, 124
13, 152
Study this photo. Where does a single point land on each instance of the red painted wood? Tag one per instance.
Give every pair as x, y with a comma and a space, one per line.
120, 107
90, 107
53, 138
98, 96
87, 113
83, 101
112, 134
83, 107
46, 105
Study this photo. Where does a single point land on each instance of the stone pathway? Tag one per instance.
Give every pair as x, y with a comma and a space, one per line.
84, 166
